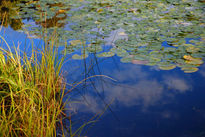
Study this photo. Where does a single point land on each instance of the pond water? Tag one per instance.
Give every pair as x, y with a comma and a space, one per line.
140, 63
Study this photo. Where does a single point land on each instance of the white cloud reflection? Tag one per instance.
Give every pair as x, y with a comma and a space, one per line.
116, 35
146, 92
128, 72
137, 88
169, 114
202, 70
177, 83
88, 103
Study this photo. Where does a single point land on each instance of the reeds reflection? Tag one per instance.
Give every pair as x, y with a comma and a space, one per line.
136, 85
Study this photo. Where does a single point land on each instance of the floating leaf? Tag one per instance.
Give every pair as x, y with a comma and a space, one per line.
198, 55
188, 57
127, 59
151, 64
106, 54
76, 56
195, 61
94, 48
120, 52
132, 27
189, 69
140, 61
169, 67
192, 60
141, 57
192, 49
76, 42
154, 59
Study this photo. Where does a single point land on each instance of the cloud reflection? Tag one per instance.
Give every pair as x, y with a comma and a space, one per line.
146, 92
177, 83
134, 87
116, 35
202, 70
169, 114
128, 72
88, 103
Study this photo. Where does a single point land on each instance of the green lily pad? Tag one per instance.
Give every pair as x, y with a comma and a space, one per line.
127, 59
106, 54
192, 49
76, 56
76, 42
120, 52
140, 61
151, 64
154, 59
189, 69
94, 48
169, 67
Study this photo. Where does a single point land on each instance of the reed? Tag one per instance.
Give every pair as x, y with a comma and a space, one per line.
31, 92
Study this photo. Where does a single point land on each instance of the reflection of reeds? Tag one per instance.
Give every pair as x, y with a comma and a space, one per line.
31, 91
7, 14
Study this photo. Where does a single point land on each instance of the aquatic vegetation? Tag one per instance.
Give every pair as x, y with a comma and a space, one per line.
164, 33
8, 10
31, 89
133, 28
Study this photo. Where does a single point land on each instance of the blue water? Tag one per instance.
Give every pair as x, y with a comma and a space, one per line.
143, 101
131, 100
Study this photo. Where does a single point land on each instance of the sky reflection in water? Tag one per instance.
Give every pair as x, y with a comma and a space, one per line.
144, 101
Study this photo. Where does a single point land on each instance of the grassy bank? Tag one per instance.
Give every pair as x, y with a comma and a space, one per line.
31, 92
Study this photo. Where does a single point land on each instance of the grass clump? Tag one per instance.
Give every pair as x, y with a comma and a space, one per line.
31, 92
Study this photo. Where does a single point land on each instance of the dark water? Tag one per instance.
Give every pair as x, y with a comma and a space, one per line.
145, 101
130, 99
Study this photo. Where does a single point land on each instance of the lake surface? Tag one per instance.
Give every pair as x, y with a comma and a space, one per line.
140, 63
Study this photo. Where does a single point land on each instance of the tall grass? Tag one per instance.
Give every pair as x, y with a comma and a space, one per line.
31, 92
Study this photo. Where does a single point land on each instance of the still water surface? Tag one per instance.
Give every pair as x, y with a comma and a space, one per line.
150, 62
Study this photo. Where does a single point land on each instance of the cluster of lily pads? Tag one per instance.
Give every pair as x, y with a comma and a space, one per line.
134, 29
145, 26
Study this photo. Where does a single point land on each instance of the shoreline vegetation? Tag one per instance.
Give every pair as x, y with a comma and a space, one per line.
31, 92
32, 87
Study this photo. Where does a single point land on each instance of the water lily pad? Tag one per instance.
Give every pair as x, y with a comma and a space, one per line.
189, 69
76, 42
192, 49
140, 61
106, 54
127, 59
169, 67
151, 64
195, 61
120, 52
192, 60
198, 55
141, 57
154, 59
156, 54
94, 48
76, 56
144, 25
